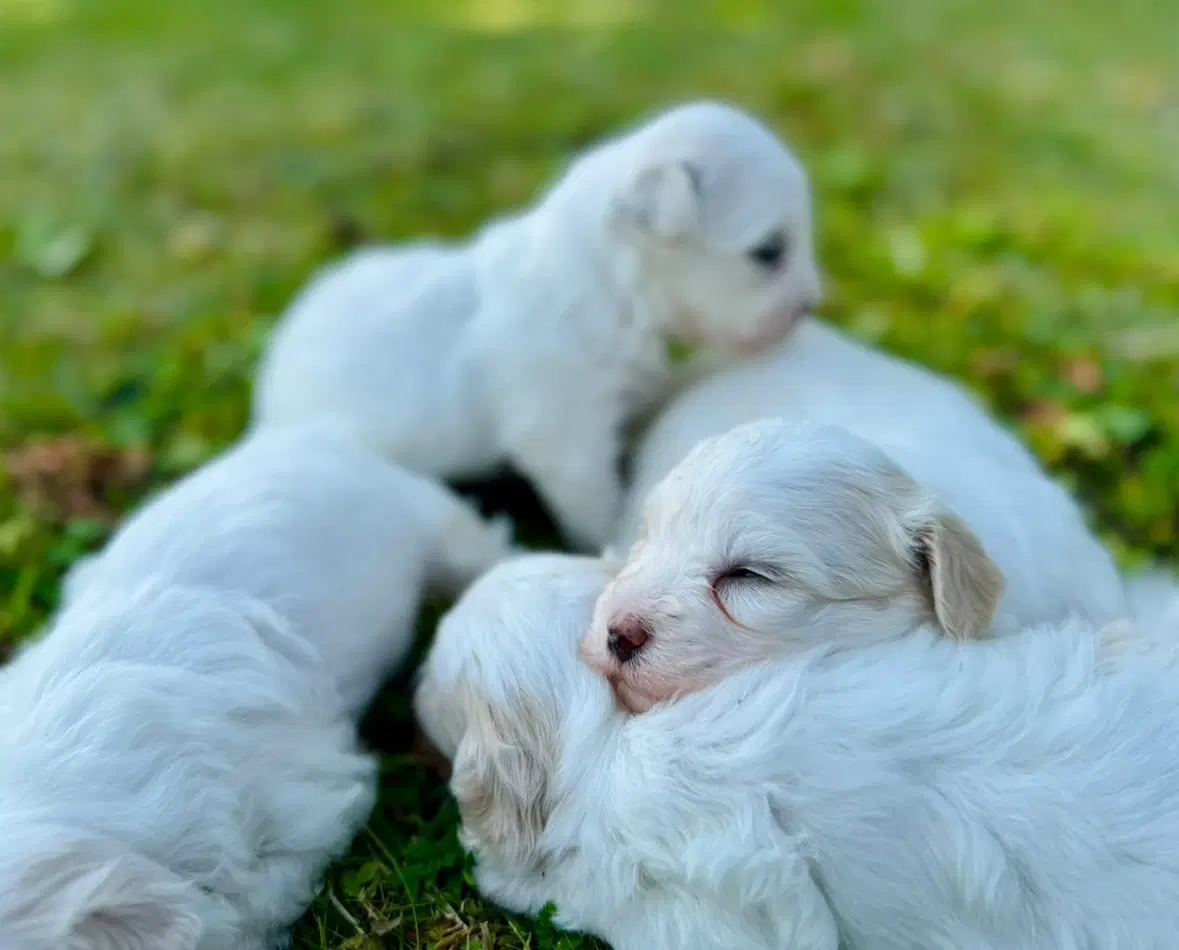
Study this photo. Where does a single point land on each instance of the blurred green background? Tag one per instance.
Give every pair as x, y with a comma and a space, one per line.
998, 197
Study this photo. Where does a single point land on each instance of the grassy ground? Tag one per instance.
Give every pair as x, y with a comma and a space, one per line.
998, 194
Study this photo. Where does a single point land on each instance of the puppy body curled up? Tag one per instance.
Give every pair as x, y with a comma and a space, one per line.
778, 536
540, 754
180, 751
901, 796
535, 344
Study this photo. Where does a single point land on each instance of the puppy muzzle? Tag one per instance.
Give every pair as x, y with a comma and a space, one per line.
778, 326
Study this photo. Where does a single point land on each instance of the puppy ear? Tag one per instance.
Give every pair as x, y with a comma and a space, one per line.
501, 777
964, 584
133, 904
660, 200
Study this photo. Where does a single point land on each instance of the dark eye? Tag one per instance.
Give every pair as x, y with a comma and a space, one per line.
771, 252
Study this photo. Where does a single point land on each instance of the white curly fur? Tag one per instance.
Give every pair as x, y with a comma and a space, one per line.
534, 344
902, 796
179, 749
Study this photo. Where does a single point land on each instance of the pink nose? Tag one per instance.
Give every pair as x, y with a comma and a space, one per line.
625, 636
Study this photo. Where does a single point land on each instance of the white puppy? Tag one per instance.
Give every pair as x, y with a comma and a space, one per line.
781, 535
180, 758
536, 343
898, 797
933, 429
777, 537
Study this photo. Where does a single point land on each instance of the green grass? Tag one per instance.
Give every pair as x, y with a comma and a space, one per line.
997, 193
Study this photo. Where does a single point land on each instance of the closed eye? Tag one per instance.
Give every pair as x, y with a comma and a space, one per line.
739, 573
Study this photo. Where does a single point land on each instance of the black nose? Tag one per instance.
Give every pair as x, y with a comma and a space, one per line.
625, 637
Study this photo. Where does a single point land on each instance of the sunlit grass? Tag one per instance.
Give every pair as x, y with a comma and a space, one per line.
509, 16
32, 11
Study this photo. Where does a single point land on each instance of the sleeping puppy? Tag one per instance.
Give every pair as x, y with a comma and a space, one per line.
180, 751
534, 345
951, 504
900, 796
931, 428
777, 537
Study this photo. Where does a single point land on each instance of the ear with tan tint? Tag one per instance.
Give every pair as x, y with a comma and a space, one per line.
964, 584
501, 776
660, 200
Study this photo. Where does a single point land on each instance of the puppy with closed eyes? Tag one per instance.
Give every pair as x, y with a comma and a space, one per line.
928, 425
780, 536
179, 758
898, 796
534, 345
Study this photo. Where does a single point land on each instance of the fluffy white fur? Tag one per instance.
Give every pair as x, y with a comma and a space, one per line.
534, 344
898, 797
776, 537
927, 422
179, 749
930, 426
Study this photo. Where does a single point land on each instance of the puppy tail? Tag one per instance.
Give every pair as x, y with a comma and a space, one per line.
466, 544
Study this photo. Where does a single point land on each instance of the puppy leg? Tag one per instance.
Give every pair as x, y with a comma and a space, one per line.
582, 493
571, 457
464, 544
561, 362
469, 546
313, 812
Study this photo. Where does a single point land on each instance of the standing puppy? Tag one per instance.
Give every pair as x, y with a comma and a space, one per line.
179, 749
535, 344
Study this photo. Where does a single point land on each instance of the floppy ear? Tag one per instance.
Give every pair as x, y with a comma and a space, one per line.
660, 200
132, 903
501, 777
964, 584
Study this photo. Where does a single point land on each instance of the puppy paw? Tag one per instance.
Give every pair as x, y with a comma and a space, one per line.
470, 545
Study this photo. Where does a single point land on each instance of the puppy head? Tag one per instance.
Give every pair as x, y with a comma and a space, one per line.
501, 695
64, 890
720, 211
775, 538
